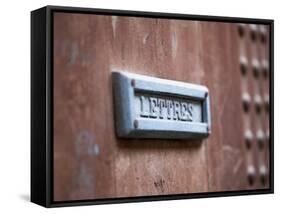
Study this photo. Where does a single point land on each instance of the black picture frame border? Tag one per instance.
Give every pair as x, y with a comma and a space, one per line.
42, 111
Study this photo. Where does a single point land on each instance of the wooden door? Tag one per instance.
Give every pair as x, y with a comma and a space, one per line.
90, 162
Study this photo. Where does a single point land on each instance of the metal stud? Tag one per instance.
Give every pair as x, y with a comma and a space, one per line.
266, 102
253, 29
243, 64
251, 174
265, 67
246, 101
263, 174
267, 136
258, 102
255, 67
248, 135
262, 30
241, 29
260, 138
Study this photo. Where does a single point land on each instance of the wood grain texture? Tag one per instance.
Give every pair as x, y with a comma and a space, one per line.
89, 161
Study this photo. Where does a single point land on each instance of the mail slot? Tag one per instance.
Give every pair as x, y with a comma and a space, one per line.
149, 107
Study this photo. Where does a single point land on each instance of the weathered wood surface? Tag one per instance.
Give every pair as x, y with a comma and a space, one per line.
89, 161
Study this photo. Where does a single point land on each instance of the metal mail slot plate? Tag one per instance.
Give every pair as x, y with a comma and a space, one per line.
149, 107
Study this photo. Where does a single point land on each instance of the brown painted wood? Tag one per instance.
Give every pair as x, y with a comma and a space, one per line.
90, 162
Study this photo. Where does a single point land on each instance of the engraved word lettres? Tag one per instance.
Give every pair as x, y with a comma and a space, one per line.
148, 107
167, 109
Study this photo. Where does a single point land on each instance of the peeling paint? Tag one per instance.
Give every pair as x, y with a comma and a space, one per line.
237, 166
174, 45
85, 143
84, 176
71, 51
74, 53
95, 149
145, 38
113, 23
122, 165
230, 149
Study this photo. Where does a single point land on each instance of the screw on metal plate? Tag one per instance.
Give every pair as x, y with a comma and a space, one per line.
133, 83
208, 129
136, 124
206, 94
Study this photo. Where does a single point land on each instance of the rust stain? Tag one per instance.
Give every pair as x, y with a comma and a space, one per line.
174, 44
